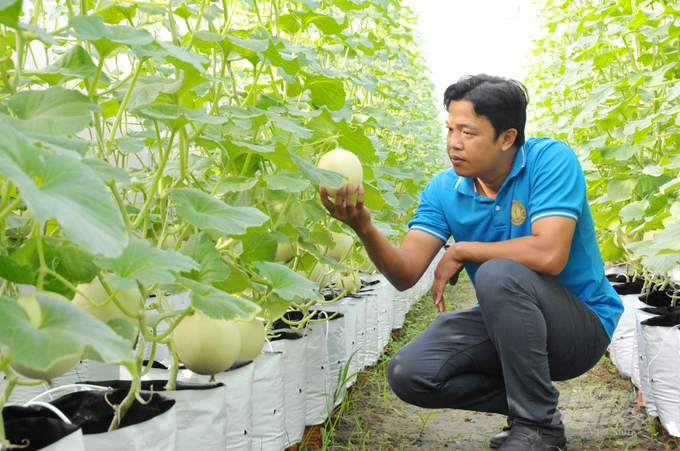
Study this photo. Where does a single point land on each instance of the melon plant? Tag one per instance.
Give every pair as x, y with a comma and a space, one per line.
126, 121
604, 79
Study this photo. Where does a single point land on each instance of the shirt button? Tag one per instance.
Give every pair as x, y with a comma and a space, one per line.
498, 207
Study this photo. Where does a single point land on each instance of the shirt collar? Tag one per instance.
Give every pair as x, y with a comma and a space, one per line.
467, 186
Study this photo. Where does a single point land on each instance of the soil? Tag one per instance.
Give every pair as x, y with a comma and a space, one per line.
599, 409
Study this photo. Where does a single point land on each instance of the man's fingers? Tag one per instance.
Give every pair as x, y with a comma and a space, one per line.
360, 197
324, 199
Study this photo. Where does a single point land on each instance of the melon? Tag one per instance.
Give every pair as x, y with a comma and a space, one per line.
343, 246
205, 345
252, 339
347, 164
131, 300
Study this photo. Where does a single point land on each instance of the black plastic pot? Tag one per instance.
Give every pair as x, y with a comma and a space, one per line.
90, 409
37, 424
295, 316
668, 320
657, 298
629, 287
663, 310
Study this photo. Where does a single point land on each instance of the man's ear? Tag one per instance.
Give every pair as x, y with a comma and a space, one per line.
508, 139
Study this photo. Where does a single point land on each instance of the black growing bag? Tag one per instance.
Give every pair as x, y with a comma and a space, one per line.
657, 298
90, 410
37, 424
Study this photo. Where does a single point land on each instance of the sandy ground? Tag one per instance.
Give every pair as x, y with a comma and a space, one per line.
599, 411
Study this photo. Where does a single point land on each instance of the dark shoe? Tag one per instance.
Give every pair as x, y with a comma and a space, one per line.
500, 438
524, 438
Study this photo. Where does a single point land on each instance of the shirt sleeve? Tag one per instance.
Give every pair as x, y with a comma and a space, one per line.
430, 217
558, 186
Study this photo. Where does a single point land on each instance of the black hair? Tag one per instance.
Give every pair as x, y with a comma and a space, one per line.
502, 101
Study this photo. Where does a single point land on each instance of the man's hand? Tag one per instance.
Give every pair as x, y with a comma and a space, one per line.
343, 208
447, 271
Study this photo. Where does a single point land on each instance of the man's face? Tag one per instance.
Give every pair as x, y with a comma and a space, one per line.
470, 142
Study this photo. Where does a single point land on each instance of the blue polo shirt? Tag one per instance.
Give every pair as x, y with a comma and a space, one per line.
546, 180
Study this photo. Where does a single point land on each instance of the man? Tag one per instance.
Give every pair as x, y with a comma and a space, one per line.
522, 227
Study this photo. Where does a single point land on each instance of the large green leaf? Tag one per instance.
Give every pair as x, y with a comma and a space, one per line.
146, 264
9, 12
75, 62
54, 111
218, 304
201, 249
64, 331
66, 190
107, 38
287, 283
326, 91
258, 246
273, 307
204, 211
146, 90
316, 175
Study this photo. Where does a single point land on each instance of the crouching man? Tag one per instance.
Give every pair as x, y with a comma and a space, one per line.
523, 231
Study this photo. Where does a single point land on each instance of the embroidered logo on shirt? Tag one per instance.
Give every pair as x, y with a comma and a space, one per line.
518, 214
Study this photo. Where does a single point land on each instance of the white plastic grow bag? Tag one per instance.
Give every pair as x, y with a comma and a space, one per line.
350, 310
72, 442
318, 375
21, 394
337, 355
373, 349
623, 338
201, 418
269, 421
661, 347
640, 376
238, 382
294, 384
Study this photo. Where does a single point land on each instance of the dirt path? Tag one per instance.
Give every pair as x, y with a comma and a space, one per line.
599, 410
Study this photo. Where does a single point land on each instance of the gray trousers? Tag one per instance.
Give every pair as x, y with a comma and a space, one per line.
501, 357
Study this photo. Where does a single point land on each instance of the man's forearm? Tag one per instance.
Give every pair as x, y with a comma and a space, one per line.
394, 263
528, 250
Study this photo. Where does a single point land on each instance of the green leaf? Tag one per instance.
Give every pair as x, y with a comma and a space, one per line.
326, 91
201, 249
321, 257
10, 10
183, 59
105, 171
107, 38
326, 24
287, 283
54, 111
13, 221
67, 190
14, 271
74, 63
176, 117
204, 211
289, 182
610, 251
373, 199
146, 264
236, 184
354, 140
258, 247
237, 282
64, 331
620, 189
273, 307
218, 304
316, 175
146, 90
